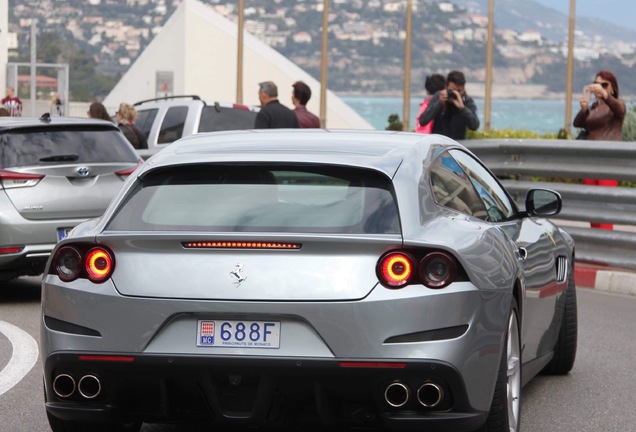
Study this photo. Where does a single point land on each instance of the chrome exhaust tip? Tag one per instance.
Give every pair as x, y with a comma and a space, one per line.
396, 394
429, 395
89, 386
64, 385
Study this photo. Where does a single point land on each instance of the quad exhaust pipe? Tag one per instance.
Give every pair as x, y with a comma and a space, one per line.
64, 385
89, 386
428, 395
397, 394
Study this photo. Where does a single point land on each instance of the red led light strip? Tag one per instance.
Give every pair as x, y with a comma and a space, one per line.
240, 245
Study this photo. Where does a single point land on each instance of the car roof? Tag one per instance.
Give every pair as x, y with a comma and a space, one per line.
188, 100
47, 122
381, 150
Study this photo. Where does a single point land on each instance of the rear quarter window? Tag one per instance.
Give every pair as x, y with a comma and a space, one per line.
77, 145
172, 125
145, 119
226, 198
216, 118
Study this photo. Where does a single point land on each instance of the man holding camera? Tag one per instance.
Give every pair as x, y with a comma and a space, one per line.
452, 109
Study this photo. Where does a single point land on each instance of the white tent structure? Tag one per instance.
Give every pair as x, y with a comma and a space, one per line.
196, 54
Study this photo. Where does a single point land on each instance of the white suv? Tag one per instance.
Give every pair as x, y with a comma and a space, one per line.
164, 120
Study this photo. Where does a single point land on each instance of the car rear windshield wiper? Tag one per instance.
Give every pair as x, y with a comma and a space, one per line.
60, 158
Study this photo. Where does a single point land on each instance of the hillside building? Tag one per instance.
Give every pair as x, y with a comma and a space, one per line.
196, 54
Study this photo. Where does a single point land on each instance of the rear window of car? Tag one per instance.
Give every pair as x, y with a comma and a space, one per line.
239, 198
30, 147
217, 118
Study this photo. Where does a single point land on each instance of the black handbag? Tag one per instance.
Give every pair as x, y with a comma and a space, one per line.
582, 135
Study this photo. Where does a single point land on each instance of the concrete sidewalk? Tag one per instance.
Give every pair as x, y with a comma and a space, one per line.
605, 278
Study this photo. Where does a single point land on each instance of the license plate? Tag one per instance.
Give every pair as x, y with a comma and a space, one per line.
62, 233
238, 334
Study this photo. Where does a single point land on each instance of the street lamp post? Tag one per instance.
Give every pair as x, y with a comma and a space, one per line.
34, 26
239, 53
570, 69
406, 107
323, 64
489, 54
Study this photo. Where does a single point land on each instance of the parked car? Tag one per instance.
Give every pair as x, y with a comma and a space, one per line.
55, 172
308, 280
164, 120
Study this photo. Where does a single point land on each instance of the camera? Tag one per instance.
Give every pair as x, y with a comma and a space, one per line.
451, 94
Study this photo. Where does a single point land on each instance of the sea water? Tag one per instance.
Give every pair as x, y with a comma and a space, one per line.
538, 115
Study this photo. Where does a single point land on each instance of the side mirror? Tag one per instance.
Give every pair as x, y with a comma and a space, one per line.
543, 202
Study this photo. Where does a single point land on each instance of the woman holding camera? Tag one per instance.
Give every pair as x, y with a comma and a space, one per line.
602, 111
601, 116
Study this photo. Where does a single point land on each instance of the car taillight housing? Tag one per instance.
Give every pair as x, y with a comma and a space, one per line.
123, 174
438, 269
433, 269
395, 269
73, 262
10, 179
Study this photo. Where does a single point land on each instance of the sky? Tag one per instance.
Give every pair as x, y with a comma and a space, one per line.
620, 12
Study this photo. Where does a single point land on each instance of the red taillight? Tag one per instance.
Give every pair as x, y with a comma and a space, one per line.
68, 263
128, 171
438, 269
98, 264
72, 262
10, 249
10, 179
433, 269
240, 106
395, 269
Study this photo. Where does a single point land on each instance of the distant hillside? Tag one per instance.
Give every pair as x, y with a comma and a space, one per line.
366, 41
553, 25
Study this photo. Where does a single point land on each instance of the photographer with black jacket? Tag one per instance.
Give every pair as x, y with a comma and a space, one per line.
452, 109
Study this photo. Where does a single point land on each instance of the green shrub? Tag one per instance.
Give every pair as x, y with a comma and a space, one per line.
629, 125
394, 123
509, 133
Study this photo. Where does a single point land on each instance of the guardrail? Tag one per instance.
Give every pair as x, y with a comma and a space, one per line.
525, 159
518, 161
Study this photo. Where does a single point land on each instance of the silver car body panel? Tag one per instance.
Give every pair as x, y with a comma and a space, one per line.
326, 295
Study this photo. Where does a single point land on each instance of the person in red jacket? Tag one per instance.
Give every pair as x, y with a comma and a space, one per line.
432, 85
12, 103
300, 96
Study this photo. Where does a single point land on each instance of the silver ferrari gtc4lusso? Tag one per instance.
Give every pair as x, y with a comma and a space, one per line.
308, 280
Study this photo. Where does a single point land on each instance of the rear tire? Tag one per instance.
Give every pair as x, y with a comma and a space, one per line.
505, 409
565, 348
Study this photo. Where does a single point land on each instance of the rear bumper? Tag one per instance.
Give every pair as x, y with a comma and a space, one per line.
268, 392
460, 327
30, 261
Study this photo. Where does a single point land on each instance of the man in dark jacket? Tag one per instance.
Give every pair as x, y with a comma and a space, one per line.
300, 96
273, 114
452, 109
